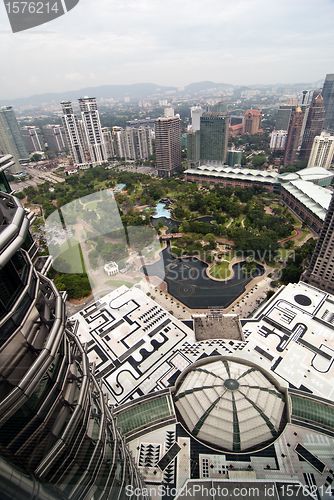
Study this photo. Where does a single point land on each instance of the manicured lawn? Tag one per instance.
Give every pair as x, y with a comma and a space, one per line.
71, 255
305, 233
118, 283
284, 252
220, 270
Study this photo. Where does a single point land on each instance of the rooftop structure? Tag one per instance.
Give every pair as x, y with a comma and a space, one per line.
174, 396
111, 268
216, 325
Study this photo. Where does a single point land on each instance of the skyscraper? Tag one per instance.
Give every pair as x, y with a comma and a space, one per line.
322, 151
292, 140
328, 95
10, 125
92, 130
320, 272
168, 145
58, 436
74, 136
214, 137
313, 127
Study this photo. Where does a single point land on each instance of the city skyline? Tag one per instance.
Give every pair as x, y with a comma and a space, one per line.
239, 43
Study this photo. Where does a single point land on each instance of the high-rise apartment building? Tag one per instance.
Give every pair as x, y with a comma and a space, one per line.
168, 145
10, 127
322, 151
193, 148
32, 138
58, 436
278, 140
214, 137
196, 113
252, 121
293, 136
313, 127
328, 95
133, 143
108, 142
74, 136
92, 131
320, 272
55, 137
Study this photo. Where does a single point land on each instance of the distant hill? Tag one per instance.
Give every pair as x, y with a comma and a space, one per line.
201, 86
139, 90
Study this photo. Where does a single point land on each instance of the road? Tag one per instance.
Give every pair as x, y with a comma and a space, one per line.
39, 177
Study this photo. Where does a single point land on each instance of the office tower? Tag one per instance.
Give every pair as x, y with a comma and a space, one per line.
193, 148
320, 272
306, 98
292, 140
322, 151
108, 142
74, 136
214, 137
313, 127
9, 124
278, 140
168, 145
252, 121
58, 436
32, 138
92, 130
283, 117
196, 113
55, 137
328, 95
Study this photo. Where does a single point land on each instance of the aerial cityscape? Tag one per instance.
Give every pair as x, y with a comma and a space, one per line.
167, 293
166, 250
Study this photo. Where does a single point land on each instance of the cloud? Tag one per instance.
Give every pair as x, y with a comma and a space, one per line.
172, 43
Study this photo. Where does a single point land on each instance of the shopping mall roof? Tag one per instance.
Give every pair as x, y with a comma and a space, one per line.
230, 404
313, 197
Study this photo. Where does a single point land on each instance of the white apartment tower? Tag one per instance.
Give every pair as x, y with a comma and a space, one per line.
92, 130
74, 136
322, 151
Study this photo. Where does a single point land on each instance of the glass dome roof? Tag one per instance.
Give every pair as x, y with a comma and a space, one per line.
230, 404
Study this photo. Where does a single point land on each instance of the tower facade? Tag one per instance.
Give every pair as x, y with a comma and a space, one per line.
92, 130
292, 140
55, 137
313, 127
320, 272
278, 139
168, 145
252, 121
74, 136
322, 151
32, 138
58, 436
12, 129
328, 95
214, 137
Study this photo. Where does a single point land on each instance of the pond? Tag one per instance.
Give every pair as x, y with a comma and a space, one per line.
188, 282
162, 212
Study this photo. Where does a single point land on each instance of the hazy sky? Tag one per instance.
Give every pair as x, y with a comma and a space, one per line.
169, 42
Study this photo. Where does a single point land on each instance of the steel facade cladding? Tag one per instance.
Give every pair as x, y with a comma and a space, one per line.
56, 427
